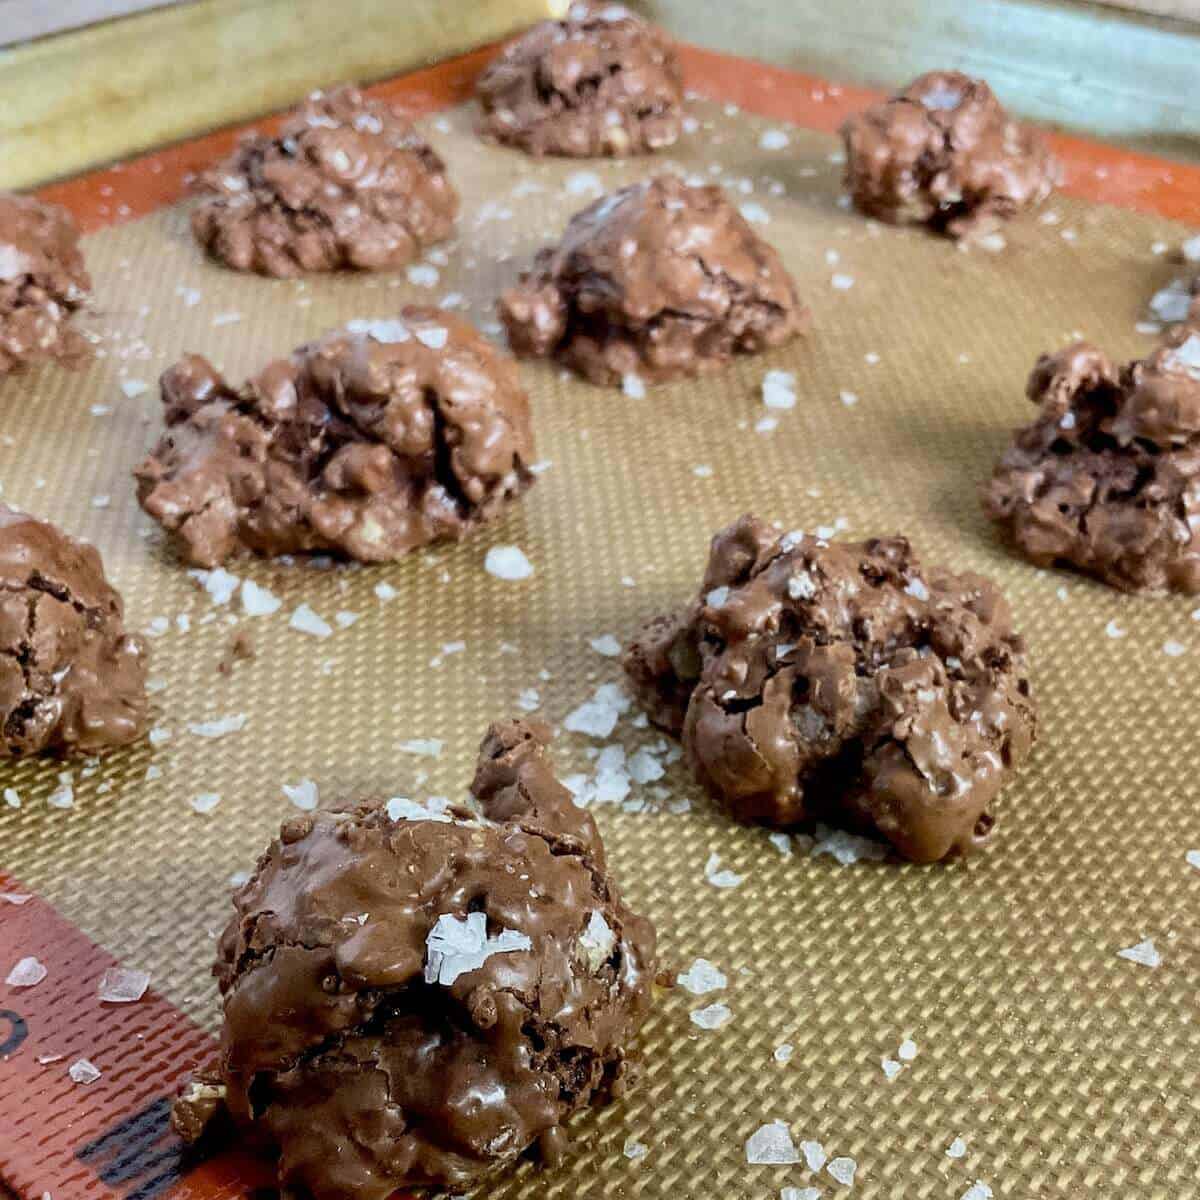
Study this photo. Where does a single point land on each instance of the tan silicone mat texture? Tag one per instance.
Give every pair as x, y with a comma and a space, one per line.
1067, 1070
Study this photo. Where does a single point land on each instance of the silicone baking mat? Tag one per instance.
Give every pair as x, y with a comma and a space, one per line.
1057, 1066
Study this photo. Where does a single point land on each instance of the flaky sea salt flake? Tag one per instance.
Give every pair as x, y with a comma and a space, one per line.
123, 985
305, 620
842, 1169
422, 747
304, 795
219, 727
719, 877
956, 1149
1145, 954
456, 945
771, 1145
258, 601
508, 563
606, 645
26, 973
82, 1071
701, 978
978, 1191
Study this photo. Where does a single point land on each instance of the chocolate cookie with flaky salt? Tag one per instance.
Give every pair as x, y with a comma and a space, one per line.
347, 183
43, 284
377, 439
72, 681
416, 996
658, 280
944, 153
842, 681
600, 82
1107, 477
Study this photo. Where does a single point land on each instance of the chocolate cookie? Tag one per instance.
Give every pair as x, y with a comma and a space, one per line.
43, 283
347, 183
602, 82
72, 680
1107, 478
944, 153
842, 681
372, 441
659, 280
415, 997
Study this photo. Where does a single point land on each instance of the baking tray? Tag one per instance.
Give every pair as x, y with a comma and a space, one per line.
1067, 1069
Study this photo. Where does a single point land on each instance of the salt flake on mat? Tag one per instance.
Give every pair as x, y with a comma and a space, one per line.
1173, 649
606, 644
28, 972
101, 501
219, 727
456, 945
701, 978
1113, 630
978, 1191
755, 213
158, 736
779, 389
814, 1155
908, 1050
712, 1017
847, 848
633, 1149
345, 619
633, 386
582, 182
226, 318
529, 700
63, 797
1191, 249
15, 898
598, 716
774, 139
891, 1068
842, 1169
218, 583
771, 1145
645, 767
305, 620
422, 747
1172, 302
435, 338
508, 562
718, 877
795, 1193
133, 388
82, 1071
766, 425
423, 275
384, 592
12, 797
205, 802
121, 985
783, 1052
702, 471
258, 601
849, 399
1192, 858
782, 842
1144, 953
304, 795
956, 1149
841, 283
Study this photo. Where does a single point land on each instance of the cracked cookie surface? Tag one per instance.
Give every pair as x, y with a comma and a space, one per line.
370, 442
601, 82
347, 183
415, 996
944, 153
1107, 478
43, 283
658, 280
71, 679
842, 681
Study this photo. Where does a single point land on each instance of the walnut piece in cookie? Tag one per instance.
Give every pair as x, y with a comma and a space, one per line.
944, 153
1107, 477
377, 439
842, 681
43, 283
658, 280
72, 681
414, 997
601, 82
347, 183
